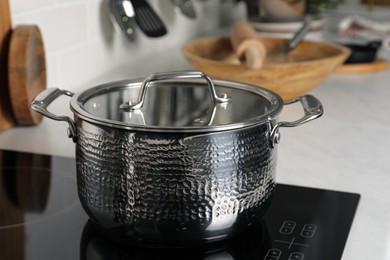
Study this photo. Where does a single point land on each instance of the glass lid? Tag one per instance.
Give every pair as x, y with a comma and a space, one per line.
177, 101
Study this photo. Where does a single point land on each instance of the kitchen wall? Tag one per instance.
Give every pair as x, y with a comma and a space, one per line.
82, 45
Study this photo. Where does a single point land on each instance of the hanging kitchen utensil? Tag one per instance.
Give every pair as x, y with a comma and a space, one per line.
6, 119
186, 7
147, 19
122, 17
26, 72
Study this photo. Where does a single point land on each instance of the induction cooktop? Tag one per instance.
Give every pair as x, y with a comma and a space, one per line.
42, 218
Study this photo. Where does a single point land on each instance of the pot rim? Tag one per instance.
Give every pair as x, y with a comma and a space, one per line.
76, 106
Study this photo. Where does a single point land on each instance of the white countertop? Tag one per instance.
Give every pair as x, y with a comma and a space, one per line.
347, 149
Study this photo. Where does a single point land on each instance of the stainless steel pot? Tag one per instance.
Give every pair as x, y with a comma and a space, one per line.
177, 158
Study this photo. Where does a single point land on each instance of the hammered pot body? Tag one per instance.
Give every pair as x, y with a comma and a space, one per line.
174, 188
177, 158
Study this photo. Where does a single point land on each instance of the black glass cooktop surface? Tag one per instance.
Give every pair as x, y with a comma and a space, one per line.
41, 218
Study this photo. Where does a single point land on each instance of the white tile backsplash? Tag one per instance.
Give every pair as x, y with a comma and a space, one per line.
62, 26
81, 43
19, 6
52, 75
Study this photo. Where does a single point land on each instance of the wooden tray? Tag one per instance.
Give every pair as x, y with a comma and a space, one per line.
377, 65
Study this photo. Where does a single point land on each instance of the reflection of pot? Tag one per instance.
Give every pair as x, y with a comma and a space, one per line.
251, 244
362, 53
180, 165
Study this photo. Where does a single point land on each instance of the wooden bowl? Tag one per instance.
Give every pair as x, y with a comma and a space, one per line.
307, 65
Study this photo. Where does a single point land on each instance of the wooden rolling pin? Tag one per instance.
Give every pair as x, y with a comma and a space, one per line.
247, 46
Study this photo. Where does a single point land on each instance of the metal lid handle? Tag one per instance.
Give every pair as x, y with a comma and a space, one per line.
129, 106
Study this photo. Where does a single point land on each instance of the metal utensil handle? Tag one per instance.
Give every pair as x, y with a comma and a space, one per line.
299, 35
45, 98
312, 108
129, 106
122, 16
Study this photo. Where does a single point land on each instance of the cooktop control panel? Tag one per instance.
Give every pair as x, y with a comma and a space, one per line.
312, 224
293, 240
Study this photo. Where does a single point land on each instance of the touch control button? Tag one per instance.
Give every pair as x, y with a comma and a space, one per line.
286, 231
296, 256
289, 223
308, 230
287, 227
310, 227
273, 254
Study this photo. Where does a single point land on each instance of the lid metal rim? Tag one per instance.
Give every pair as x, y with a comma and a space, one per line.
188, 129
81, 113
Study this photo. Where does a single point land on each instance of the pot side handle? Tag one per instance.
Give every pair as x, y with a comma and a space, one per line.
312, 108
44, 99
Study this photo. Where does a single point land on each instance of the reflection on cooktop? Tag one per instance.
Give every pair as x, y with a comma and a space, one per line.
252, 244
41, 218
29, 192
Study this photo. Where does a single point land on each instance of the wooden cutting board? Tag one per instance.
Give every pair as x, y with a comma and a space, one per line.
26, 72
6, 119
22, 71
